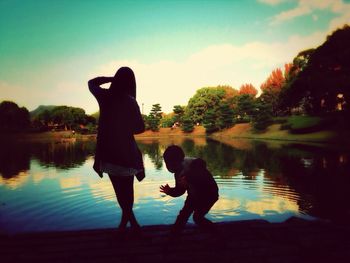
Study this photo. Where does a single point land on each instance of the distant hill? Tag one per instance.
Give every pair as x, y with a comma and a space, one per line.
41, 109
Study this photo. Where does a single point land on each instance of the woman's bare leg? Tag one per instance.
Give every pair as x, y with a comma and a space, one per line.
124, 190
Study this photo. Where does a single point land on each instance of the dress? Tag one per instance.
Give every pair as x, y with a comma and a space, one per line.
120, 118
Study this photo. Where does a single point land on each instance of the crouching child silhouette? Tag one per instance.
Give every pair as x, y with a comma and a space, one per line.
191, 175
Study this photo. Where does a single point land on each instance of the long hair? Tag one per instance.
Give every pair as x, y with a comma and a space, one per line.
124, 82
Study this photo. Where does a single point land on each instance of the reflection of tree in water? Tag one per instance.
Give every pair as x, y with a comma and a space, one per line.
63, 155
218, 156
320, 176
15, 156
153, 151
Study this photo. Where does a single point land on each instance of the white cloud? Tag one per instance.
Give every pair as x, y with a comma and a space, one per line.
17, 94
170, 83
305, 7
290, 14
271, 2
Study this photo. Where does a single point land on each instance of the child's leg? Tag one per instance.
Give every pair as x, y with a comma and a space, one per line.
199, 214
183, 216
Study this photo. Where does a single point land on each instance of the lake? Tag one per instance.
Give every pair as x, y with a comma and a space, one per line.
51, 186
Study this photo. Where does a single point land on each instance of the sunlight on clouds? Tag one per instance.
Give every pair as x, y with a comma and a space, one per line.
305, 7
226, 206
19, 94
271, 2
15, 182
38, 177
170, 83
276, 204
290, 14
102, 189
69, 182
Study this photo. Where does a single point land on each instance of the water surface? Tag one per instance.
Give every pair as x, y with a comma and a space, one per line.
51, 186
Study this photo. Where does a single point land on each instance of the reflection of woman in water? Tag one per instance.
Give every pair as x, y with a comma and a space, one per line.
117, 153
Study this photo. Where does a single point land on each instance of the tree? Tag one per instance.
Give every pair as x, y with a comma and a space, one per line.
273, 86
325, 77
225, 116
187, 124
290, 97
248, 89
154, 117
69, 117
209, 98
167, 120
209, 121
244, 107
12, 117
262, 116
179, 112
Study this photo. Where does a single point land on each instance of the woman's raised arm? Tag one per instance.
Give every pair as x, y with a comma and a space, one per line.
95, 84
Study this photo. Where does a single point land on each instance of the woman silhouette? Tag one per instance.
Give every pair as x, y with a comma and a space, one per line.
117, 153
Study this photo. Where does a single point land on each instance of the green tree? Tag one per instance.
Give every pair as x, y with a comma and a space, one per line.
209, 98
262, 116
146, 121
323, 84
179, 112
154, 117
225, 116
209, 121
187, 124
12, 117
167, 120
245, 107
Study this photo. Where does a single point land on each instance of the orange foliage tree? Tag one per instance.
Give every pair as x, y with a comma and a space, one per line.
248, 89
272, 87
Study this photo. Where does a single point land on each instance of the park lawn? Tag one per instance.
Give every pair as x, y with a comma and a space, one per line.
302, 122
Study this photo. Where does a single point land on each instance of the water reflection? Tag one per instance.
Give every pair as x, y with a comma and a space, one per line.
267, 180
302, 178
15, 156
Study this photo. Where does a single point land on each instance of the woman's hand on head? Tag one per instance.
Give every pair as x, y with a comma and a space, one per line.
104, 79
99, 81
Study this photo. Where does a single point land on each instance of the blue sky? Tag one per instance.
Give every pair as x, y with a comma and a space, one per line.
49, 49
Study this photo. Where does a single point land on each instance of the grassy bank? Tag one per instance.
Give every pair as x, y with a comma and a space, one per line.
274, 132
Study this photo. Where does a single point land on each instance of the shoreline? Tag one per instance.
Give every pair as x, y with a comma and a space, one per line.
294, 240
239, 131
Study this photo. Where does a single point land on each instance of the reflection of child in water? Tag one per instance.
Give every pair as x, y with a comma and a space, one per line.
192, 175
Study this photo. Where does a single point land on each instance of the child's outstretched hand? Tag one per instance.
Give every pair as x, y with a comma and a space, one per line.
165, 189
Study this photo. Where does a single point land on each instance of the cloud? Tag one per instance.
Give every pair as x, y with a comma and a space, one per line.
271, 2
169, 82
175, 82
19, 94
305, 7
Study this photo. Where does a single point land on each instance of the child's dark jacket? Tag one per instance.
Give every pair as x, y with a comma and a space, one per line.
199, 182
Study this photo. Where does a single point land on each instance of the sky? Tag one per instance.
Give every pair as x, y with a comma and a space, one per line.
50, 49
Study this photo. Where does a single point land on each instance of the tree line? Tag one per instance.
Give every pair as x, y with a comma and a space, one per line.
16, 119
315, 83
